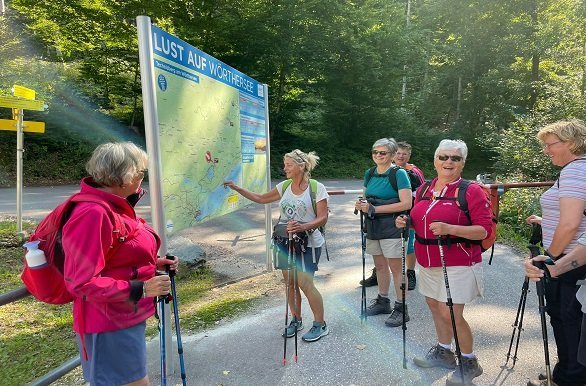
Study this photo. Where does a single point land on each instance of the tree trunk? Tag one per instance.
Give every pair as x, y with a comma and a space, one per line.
459, 100
534, 59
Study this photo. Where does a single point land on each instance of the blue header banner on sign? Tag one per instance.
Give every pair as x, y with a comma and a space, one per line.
171, 48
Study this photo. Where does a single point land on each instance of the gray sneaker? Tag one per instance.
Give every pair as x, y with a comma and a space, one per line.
437, 356
471, 370
295, 324
379, 305
316, 332
396, 317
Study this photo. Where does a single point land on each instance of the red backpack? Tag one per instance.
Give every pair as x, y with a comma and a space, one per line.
460, 198
46, 283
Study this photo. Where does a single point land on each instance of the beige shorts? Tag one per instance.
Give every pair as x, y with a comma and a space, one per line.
389, 248
466, 283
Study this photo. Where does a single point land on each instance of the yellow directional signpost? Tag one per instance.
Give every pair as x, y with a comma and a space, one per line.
22, 104
23, 92
27, 126
23, 99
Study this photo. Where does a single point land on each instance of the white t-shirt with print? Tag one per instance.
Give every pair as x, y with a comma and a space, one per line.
299, 208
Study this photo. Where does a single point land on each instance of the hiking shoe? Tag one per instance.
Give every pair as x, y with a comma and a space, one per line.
316, 332
396, 317
370, 281
437, 356
294, 325
412, 280
379, 305
471, 370
540, 381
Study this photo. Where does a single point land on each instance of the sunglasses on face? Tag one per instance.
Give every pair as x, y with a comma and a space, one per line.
455, 158
381, 152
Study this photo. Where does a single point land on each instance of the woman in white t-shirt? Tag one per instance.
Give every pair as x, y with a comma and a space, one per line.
298, 217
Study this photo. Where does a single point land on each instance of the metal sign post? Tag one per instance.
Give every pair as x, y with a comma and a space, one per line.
23, 99
18, 114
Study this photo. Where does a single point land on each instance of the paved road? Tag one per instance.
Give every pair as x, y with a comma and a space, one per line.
248, 350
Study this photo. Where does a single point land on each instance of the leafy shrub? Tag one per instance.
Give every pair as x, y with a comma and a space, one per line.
516, 205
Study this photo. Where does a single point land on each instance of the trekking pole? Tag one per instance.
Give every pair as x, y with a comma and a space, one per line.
542, 308
404, 236
363, 241
450, 305
288, 287
161, 300
295, 289
176, 314
518, 325
289, 259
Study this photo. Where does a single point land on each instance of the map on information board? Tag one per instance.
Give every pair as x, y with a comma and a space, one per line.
212, 128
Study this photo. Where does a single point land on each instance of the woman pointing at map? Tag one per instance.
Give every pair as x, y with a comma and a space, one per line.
303, 207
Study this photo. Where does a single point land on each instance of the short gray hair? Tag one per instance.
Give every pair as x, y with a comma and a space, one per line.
389, 143
116, 163
453, 144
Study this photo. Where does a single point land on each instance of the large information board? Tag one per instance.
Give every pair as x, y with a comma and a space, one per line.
212, 127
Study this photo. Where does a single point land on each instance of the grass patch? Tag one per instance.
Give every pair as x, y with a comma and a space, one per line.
211, 313
37, 337
508, 235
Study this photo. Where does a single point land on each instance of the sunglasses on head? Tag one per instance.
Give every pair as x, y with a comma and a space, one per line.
381, 152
455, 158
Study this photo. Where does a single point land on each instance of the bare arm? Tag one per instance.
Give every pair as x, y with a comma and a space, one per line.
576, 258
571, 213
264, 198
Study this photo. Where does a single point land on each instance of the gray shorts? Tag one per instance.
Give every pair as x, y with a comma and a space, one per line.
115, 358
389, 248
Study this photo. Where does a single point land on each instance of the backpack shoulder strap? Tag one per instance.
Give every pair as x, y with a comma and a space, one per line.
461, 197
115, 218
423, 191
369, 175
312, 194
393, 178
560, 173
286, 184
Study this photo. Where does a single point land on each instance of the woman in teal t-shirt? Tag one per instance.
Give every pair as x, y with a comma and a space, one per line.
383, 241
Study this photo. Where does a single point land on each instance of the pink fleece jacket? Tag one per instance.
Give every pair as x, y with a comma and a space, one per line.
107, 290
425, 212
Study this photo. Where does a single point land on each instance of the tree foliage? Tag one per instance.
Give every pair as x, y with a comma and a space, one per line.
341, 74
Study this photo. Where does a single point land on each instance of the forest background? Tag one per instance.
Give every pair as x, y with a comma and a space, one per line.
341, 75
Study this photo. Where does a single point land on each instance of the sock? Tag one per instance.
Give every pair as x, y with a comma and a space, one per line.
386, 296
471, 355
446, 346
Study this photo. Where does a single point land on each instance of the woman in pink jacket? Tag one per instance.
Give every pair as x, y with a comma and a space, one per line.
110, 264
437, 218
